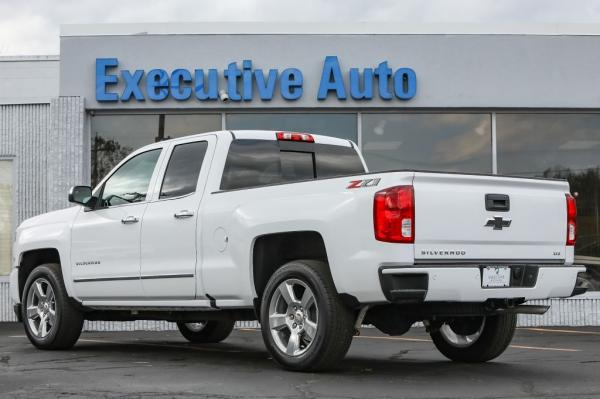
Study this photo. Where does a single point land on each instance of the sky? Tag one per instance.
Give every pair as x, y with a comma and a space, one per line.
32, 26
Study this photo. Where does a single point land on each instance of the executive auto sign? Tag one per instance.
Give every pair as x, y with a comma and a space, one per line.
243, 84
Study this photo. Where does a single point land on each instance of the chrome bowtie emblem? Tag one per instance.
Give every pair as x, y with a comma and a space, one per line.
498, 223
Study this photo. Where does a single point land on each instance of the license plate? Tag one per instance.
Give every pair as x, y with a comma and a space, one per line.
495, 277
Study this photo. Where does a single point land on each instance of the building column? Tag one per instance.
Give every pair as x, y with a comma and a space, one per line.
68, 149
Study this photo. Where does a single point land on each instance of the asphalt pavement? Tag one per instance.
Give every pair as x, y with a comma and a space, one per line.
546, 363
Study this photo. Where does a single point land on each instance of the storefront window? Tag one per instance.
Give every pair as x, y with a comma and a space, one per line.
6, 213
336, 125
565, 146
116, 136
440, 142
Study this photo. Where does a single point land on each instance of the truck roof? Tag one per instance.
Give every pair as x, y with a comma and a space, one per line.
264, 135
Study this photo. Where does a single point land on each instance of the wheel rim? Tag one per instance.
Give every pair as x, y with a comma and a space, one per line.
41, 308
460, 340
293, 317
196, 327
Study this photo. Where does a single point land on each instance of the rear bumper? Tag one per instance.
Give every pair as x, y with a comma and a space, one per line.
452, 283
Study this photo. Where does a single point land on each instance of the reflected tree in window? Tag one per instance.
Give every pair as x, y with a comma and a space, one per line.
585, 185
106, 154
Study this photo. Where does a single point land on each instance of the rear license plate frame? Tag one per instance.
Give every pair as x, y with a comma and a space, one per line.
495, 276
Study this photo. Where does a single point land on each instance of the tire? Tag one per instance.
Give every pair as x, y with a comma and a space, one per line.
55, 323
206, 331
488, 341
322, 328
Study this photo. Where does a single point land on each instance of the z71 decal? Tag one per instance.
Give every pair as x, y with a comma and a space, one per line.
364, 183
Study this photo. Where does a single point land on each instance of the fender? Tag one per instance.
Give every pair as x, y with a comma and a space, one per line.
51, 230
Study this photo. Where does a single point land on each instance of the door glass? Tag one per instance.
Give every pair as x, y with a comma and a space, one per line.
129, 184
6, 211
183, 170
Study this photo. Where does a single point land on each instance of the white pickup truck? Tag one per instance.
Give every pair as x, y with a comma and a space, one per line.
290, 229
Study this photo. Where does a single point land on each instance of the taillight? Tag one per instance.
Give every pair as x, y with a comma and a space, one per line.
394, 214
288, 136
571, 220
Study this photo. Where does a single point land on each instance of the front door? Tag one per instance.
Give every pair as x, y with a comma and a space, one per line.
105, 252
170, 228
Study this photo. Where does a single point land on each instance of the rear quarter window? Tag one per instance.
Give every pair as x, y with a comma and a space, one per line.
255, 163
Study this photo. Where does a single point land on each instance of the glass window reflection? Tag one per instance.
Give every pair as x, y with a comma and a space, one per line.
116, 136
441, 142
339, 125
565, 146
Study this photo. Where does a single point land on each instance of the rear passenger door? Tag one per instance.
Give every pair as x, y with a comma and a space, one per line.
170, 229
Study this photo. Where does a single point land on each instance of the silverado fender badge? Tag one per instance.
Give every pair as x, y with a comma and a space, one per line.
497, 222
364, 183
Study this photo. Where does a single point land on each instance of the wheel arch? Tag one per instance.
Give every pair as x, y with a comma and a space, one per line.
31, 259
271, 251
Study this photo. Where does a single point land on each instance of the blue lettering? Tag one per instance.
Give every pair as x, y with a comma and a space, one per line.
182, 84
247, 80
211, 89
367, 92
178, 78
103, 80
405, 83
232, 73
331, 79
265, 89
291, 84
383, 72
132, 85
157, 84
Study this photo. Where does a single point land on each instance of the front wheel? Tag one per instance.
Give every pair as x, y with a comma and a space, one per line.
475, 339
51, 321
211, 331
304, 323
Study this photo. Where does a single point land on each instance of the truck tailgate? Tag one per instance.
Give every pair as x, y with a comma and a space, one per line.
525, 219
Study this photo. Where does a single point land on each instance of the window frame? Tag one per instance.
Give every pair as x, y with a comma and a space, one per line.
13, 222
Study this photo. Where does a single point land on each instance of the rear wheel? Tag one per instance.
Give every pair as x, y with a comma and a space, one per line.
50, 319
305, 325
475, 339
211, 331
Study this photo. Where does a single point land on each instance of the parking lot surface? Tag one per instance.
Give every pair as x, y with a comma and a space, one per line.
547, 362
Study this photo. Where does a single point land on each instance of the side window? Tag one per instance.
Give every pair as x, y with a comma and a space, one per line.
129, 184
181, 176
251, 163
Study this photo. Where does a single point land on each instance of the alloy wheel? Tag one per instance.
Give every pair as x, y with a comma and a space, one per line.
293, 317
41, 308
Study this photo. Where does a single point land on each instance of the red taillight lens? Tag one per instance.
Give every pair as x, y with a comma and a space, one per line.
571, 220
394, 214
288, 136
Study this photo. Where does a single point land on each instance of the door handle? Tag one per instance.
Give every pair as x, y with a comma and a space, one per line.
184, 214
129, 220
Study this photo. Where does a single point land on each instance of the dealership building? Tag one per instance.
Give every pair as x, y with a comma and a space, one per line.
507, 100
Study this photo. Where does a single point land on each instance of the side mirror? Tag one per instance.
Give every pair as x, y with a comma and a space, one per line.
80, 195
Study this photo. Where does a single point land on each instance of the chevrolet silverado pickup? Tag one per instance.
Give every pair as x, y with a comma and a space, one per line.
291, 229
